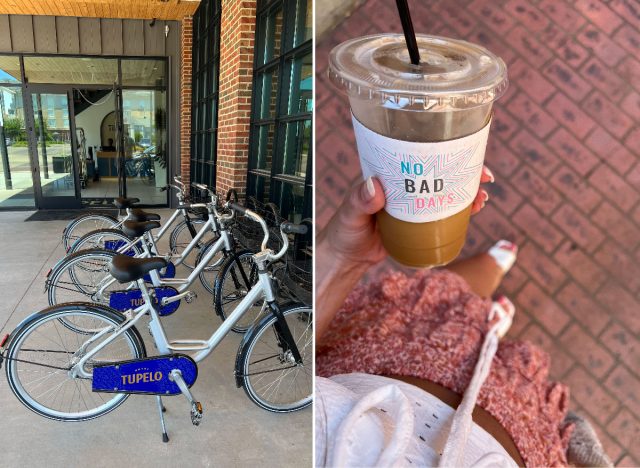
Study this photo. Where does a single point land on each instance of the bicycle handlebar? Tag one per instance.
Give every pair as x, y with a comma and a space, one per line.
290, 228
202, 187
235, 207
285, 228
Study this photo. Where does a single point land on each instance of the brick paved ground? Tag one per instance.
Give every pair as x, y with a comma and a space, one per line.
565, 148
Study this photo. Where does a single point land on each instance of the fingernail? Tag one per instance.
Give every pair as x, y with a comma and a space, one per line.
505, 302
486, 195
488, 172
371, 189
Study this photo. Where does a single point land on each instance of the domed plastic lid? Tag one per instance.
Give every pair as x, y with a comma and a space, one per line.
452, 74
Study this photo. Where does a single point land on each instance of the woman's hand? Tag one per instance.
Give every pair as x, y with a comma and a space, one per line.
351, 243
482, 196
352, 232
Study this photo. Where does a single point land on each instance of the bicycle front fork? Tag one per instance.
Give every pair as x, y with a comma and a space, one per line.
283, 334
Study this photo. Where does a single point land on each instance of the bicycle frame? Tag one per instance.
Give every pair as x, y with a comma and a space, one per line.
223, 243
163, 230
262, 290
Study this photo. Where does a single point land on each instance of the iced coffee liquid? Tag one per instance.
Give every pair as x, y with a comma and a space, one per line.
431, 243
422, 131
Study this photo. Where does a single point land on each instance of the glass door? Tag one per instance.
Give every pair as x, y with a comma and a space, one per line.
16, 182
52, 145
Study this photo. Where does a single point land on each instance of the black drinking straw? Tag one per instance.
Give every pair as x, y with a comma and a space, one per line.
409, 33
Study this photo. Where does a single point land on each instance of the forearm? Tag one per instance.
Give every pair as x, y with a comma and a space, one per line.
335, 279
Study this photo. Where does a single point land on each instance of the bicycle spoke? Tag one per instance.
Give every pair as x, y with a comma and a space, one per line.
57, 392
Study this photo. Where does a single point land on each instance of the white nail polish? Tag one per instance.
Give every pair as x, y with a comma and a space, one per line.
371, 190
487, 171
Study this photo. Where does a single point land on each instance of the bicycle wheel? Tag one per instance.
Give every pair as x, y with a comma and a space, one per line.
234, 280
107, 239
42, 352
208, 275
85, 224
181, 237
82, 277
269, 374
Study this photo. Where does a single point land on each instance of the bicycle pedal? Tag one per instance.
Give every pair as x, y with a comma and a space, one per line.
190, 297
196, 413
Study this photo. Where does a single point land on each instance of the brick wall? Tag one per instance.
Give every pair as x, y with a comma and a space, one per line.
234, 103
185, 97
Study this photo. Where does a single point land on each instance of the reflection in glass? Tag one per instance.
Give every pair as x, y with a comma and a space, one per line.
143, 72
71, 70
304, 22
271, 27
300, 85
53, 144
213, 80
290, 198
296, 148
265, 146
9, 69
145, 144
267, 92
16, 183
258, 186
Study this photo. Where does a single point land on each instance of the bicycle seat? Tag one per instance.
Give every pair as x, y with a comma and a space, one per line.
135, 229
139, 215
126, 269
122, 203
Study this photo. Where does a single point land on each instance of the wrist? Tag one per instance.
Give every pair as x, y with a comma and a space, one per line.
330, 258
335, 278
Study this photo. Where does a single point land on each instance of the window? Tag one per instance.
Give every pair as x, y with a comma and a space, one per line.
281, 119
9, 69
204, 111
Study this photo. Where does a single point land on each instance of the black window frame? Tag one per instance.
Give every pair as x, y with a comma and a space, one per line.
288, 52
204, 95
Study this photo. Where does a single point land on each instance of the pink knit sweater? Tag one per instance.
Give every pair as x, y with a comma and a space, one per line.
431, 326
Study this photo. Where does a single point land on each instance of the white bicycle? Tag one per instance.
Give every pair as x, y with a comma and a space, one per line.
79, 375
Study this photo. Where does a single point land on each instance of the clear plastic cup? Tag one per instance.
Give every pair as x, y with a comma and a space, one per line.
422, 131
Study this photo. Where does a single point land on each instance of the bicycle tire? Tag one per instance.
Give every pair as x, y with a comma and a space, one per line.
19, 357
68, 234
228, 291
93, 263
300, 320
85, 242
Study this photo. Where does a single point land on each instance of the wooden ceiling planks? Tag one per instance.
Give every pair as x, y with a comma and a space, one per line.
146, 9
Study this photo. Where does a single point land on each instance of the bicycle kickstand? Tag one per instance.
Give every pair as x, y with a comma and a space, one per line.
196, 406
162, 410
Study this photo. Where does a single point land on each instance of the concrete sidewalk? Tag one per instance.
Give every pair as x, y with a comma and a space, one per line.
234, 432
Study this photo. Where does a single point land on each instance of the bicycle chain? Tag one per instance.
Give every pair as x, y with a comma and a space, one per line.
266, 371
39, 363
57, 285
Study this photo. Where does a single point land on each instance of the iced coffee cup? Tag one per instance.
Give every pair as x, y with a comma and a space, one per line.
422, 131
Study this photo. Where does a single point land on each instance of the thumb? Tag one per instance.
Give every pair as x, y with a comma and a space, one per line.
367, 197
